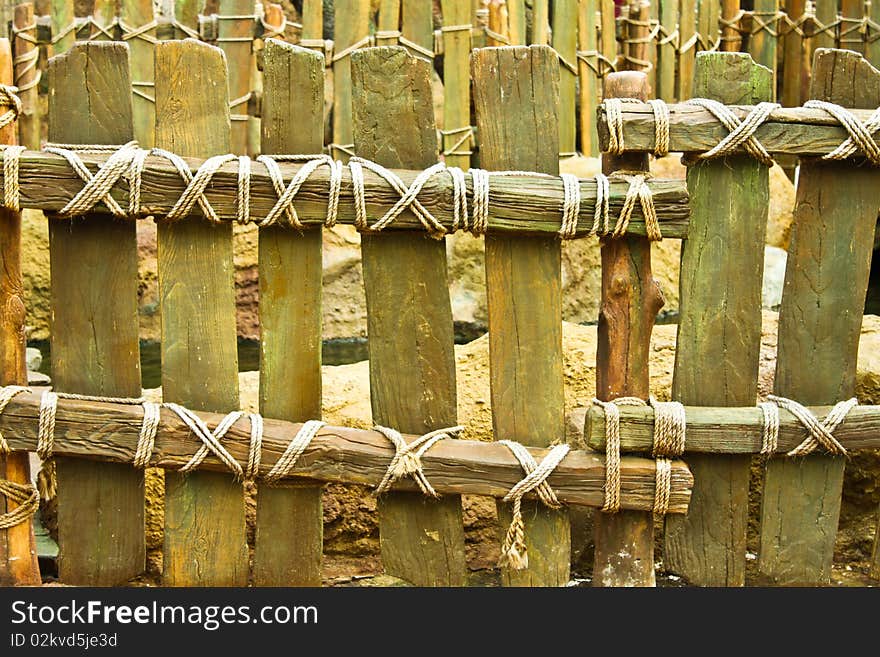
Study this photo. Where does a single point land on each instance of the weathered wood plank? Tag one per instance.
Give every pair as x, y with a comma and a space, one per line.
26, 55
826, 14
94, 322
516, 97
608, 30
134, 14
388, 23
457, 84
731, 39
540, 22
852, 36
793, 59
793, 131
417, 25
516, 21
565, 23
688, 49
186, 14
204, 513
589, 87
109, 432
667, 53
351, 25
528, 204
819, 323
409, 317
872, 39
238, 64
631, 299
289, 538
313, 22
18, 552
62, 26
720, 323
734, 430
763, 41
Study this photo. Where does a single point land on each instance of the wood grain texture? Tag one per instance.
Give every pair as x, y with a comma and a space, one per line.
457, 82
667, 53
588, 84
686, 31
109, 432
25, 74
565, 24
409, 316
516, 97
204, 513
516, 21
417, 25
791, 131
135, 14
793, 58
18, 551
540, 22
819, 324
631, 299
238, 64
94, 325
351, 24
763, 43
522, 205
722, 265
289, 537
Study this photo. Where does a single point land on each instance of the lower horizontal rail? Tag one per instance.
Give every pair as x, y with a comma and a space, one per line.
109, 432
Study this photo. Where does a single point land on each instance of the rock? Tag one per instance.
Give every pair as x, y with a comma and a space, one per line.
774, 277
33, 358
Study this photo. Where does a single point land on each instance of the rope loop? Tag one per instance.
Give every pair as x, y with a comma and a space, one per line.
406, 461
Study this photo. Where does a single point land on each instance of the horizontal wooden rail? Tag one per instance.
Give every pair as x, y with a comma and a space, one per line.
518, 204
109, 432
731, 430
692, 129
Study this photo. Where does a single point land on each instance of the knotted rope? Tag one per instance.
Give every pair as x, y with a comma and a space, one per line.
406, 461
670, 425
819, 433
514, 552
25, 496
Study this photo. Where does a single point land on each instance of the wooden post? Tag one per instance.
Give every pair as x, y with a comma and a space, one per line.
95, 322
18, 549
731, 39
608, 31
388, 23
26, 56
134, 14
636, 43
631, 300
826, 14
516, 22
540, 22
565, 24
518, 123
417, 25
62, 24
457, 85
793, 57
104, 18
589, 76
409, 318
667, 53
763, 42
497, 23
687, 48
819, 325
289, 520
872, 37
313, 22
352, 24
708, 17
720, 309
204, 512
186, 14
233, 26
851, 34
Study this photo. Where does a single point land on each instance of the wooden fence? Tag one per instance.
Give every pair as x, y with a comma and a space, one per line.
404, 203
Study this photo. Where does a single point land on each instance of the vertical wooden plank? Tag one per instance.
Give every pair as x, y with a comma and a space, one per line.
312, 21
688, 47
826, 280
851, 34
872, 43
588, 67
18, 549
62, 24
722, 264
565, 44
417, 25
456, 85
516, 97
186, 13
540, 22
631, 300
388, 23
134, 14
103, 20
793, 57
516, 22
826, 14
204, 512
637, 43
26, 56
667, 54
233, 26
289, 520
608, 30
762, 43
95, 350
710, 24
351, 25
409, 318
731, 39
652, 47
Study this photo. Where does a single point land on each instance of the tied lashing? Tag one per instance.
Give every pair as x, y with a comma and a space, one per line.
819, 433
514, 553
406, 461
669, 440
25, 496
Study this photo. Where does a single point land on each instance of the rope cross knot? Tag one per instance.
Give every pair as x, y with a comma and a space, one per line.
406, 461
821, 433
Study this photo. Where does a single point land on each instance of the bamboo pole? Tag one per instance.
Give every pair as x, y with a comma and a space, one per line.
631, 299
18, 550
